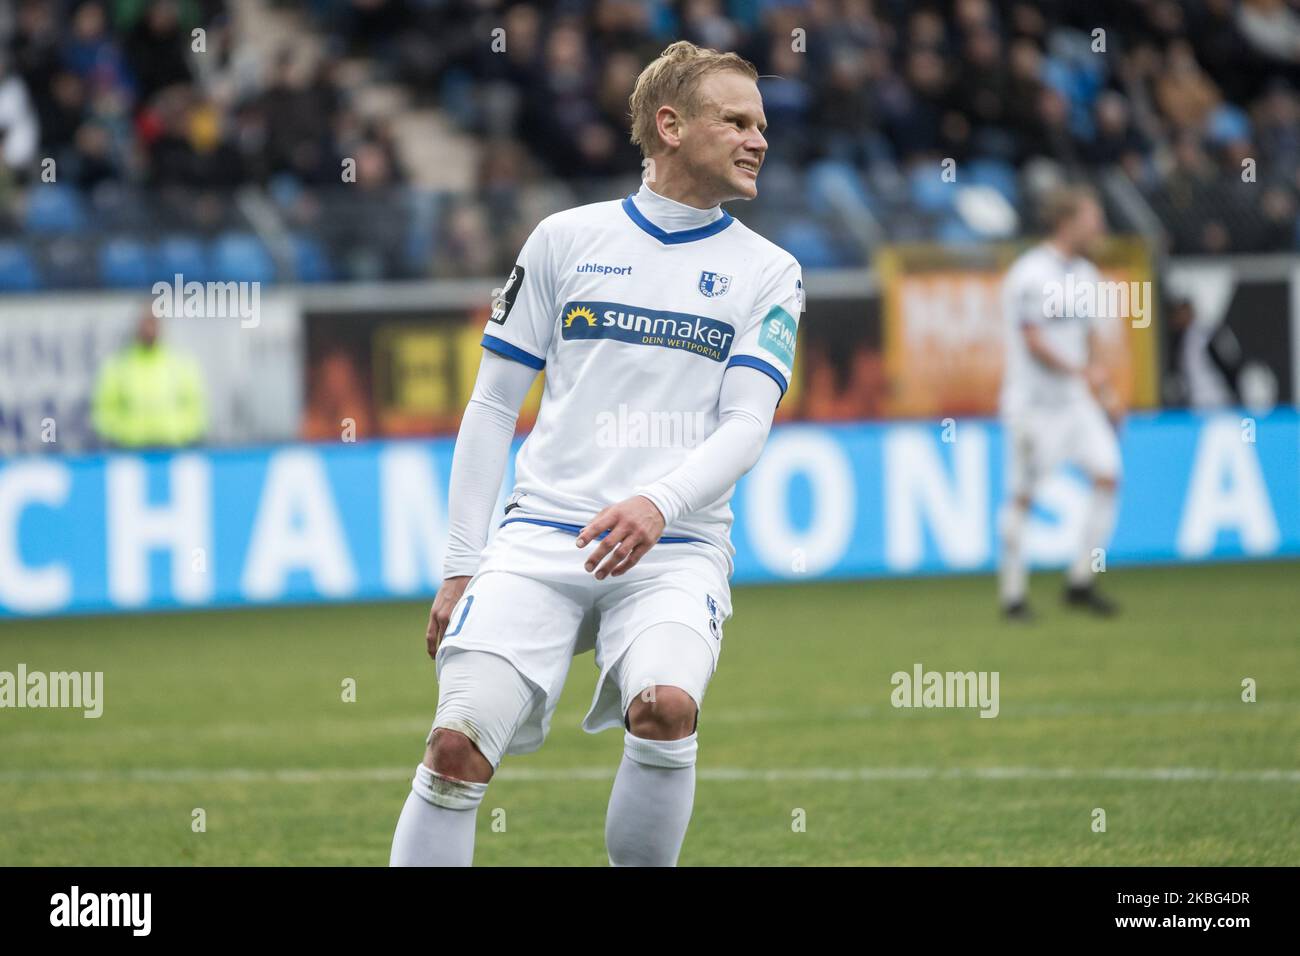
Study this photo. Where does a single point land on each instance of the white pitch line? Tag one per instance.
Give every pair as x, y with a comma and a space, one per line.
707, 774
352, 728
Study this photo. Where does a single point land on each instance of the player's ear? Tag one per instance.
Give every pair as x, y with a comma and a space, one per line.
669, 124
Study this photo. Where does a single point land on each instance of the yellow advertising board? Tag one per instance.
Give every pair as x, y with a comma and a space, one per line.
943, 326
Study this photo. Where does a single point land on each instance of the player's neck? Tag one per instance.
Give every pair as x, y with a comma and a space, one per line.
673, 209
1061, 248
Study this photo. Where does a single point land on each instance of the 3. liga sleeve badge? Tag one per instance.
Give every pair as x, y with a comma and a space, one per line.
505, 298
714, 284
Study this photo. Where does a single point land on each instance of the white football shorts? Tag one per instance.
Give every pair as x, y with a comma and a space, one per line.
1039, 440
534, 604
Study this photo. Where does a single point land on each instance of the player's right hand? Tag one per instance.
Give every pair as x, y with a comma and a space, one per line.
440, 613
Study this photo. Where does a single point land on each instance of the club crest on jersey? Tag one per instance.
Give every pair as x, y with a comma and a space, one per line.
715, 625
714, 284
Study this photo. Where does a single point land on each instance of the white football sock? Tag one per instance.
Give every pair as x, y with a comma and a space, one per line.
651, 802
1097, 526
436, 827
1012, 575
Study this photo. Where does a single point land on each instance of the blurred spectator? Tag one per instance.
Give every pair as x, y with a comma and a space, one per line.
19, 132
149, 396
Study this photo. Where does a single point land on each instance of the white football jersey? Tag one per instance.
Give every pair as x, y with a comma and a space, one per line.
1046, 289
634, 327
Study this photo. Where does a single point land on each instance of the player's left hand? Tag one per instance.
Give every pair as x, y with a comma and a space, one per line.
634, 528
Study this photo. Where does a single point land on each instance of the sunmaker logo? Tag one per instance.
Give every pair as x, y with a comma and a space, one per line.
670, 330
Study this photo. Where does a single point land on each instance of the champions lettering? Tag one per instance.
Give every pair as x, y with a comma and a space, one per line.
710, 338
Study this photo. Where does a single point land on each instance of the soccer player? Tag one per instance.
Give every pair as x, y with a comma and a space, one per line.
1057, 402
656, 314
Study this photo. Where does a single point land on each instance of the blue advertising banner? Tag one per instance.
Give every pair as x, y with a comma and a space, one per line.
341, 522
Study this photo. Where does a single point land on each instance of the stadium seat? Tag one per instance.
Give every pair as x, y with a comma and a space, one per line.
17, 270
836, 187
810, 244
126, 263
953, 231
995, 174
184, 255
311, 261
53, 209
928, 190
68, 261
1227, 124
241, 257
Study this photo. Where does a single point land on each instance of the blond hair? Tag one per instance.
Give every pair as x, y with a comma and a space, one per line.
674, 80
1063, 203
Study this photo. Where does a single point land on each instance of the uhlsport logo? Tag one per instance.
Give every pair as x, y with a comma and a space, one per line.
710, 338
714, 284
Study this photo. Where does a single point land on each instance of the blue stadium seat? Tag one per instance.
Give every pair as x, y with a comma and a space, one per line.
1226, 124
810, 244
311, 261
125, 263
17, 270
52, 209
953, 231
995, 174
185, 255
241, 257
834, 185
928, 190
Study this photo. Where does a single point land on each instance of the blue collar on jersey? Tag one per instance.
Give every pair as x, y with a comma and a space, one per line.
683, 235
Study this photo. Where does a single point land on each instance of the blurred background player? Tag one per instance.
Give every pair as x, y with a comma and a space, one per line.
148, 395
1057, 403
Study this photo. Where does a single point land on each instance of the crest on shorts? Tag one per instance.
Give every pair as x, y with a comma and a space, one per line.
715, 626
714, 284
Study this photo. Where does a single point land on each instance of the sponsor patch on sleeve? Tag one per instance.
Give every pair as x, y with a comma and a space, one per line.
505, 300
778, 335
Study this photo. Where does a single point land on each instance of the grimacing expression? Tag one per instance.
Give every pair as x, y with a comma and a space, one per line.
722, 143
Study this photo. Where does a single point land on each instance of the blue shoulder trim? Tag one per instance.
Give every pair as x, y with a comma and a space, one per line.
506, 350
673, 238
767, 368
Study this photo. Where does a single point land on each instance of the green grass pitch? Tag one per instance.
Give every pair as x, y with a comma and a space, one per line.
240, 713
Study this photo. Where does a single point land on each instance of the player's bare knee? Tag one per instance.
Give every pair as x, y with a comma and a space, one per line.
662, 713
452, 754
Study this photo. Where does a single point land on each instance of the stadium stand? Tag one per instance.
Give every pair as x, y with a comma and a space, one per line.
392, 139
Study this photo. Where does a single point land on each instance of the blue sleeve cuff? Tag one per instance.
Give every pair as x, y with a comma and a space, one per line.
767, 368
506, 350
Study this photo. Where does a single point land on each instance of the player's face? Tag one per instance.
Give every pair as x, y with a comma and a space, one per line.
723, 144
1089, 227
